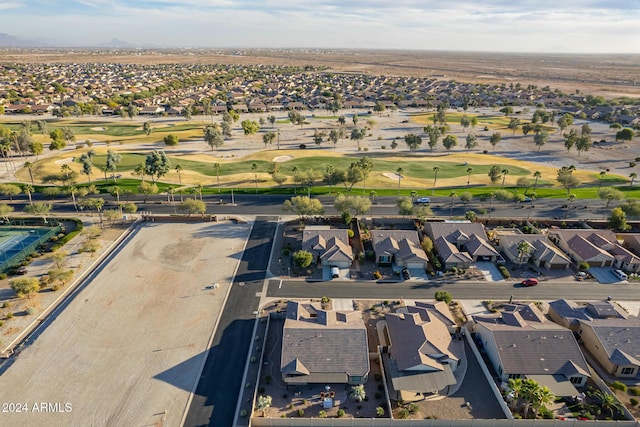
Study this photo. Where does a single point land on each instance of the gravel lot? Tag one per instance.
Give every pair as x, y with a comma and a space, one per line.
129, 348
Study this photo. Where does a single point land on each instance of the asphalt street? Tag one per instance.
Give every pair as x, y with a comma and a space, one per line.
269, 204
416, 289
216, 395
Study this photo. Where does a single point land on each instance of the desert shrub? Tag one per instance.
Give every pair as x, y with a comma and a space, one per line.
1, 323
3, 276
303, 146
301, 412
633, 401
377, 275
443, 296
584, 265
253, 359
243, 413
322, 414
340, 413
286, 251
350, 233
268, 379
617, 385
504, 271
30, 310
403, 413
634, 391
9, 315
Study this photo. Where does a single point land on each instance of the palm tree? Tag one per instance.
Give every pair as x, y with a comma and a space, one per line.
140, 170
414, 194
436, 169
607, 401
505, 172
29, 167
216, 166
532, 196
453, 197
254, 168
399, 172
469, 170
524, 249
66, 169
73, 190
28, 189
572, 198
179, 169
601, 177
537, 176
632, 175
543, 397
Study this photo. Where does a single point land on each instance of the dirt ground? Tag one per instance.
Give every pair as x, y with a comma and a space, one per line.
128, 349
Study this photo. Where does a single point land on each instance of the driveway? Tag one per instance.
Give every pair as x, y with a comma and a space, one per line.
490, 271
604, 275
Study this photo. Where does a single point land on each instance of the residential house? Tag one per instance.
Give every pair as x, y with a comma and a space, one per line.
419, 358
459, 244
521, 343
607, 331
400, 248
600, 248
328, 246
151, 110
323, 346
542, 253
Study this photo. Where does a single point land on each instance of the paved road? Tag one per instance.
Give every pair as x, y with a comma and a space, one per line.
268, 204
459, 290
216, 395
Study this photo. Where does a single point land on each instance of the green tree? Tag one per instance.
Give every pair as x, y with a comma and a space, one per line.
504, 173
5, 210
147, 188
302, 259
434, 135
113, 160
25, 286
471, 142
524, 250
570, 139
303, 206
268, 138
263, 403
540, 139
146, 127
193, 206
36, 148
450, 141
400, 174
57, 140
443, 296
250, 127
157, 164
608, 194
171, 140
379, 107
10, 190
354, 119
357, 135
565, 177
494, 139
625, 134
507, 110
514, 124
405, 206
353, 205
213, 137
618, 219
495, 173
583, 143
413, 141
40, 209
633, 177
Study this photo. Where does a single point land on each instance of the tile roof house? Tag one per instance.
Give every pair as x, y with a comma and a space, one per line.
328, 246
323, 346
419, 358
607, 331
459, 244
400, 248
600, 248
542, 253
521, 343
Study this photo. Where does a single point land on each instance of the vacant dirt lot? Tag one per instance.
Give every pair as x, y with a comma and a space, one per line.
128, 349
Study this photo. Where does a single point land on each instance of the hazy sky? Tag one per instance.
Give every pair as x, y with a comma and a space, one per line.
598, 26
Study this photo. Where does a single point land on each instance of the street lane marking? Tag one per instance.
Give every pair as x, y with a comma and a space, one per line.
280, 285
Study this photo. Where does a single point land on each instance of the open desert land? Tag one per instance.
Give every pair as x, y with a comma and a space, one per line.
129, 349
612, 75
516, 152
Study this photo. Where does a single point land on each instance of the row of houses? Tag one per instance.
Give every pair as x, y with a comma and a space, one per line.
461, 244
420, 357
265, 88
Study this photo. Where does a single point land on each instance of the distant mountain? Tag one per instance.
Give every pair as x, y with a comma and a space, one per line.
116, 43
7, 40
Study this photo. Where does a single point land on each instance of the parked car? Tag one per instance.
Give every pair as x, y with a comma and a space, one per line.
335, 272
422, 201
529, 282
405, 274
21, 270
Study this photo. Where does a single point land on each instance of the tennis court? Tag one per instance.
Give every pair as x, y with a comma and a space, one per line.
18, 242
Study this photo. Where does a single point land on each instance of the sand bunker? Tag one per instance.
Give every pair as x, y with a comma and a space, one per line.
280, 159
66, 160
99, 129
393, 176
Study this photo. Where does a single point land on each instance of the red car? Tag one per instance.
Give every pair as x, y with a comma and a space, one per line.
529, 282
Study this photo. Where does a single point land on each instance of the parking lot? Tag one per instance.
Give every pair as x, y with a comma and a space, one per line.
129, 348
